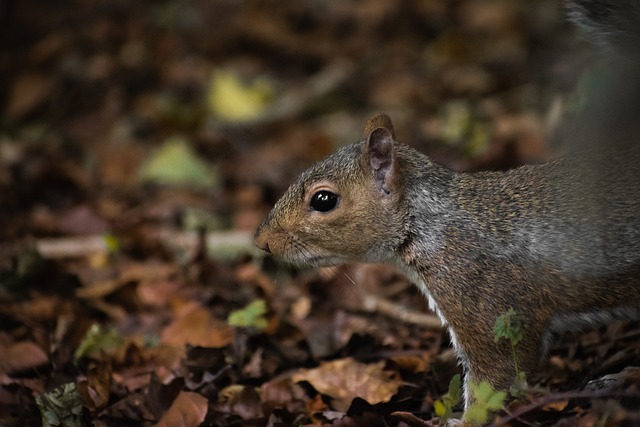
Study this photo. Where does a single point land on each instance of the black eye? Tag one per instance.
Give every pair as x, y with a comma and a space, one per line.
324, 201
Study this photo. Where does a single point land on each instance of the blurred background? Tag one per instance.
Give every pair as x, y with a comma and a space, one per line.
106, 102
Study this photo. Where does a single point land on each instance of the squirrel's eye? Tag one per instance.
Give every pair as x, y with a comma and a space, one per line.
324, 201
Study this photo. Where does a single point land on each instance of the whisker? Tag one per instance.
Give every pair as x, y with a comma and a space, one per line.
348, 267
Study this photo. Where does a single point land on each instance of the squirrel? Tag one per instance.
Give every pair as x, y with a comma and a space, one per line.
558, 242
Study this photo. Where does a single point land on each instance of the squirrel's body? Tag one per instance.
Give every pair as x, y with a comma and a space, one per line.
558, 242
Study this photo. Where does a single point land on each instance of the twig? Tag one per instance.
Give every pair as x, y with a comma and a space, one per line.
554, 397
413, 421
372, 303
71, 247
220, 244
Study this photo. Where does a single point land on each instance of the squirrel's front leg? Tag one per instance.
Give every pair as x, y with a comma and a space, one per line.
484, 359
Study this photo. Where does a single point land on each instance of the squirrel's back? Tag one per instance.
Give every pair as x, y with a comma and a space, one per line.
582, 218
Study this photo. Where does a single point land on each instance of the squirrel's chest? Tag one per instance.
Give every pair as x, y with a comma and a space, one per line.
414, 275
416, 278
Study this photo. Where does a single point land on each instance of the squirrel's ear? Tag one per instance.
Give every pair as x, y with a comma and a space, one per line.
379, 120
379, 155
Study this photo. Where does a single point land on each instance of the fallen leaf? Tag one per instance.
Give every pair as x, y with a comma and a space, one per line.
133, 406
280, 391
301, 307
28, 92
61, 406
195, 326
188, 409
559, 405
346, 379
21, 355
43, 309
241, 400
233, 100
100, 289
157, 293
81, 220
413, 363
251, 316
98, 340
175, 163
95, 388
132, 381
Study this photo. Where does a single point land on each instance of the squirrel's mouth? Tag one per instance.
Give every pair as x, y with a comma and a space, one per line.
314, 260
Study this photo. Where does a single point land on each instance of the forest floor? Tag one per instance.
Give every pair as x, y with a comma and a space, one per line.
142, 143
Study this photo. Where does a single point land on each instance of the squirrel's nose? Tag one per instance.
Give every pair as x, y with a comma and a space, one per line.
260, 240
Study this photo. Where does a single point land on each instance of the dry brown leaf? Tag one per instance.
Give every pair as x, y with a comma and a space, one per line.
21, 355
129, 273
100, 289
188, 409
253, 369
559, 405
132, 381
413, 362
194, 325
81, 220
251, 273
317, 405
157, 293
43, 309
346, 379
28, 92
241, 400
301, 307
281, 390
95, 388
138, 271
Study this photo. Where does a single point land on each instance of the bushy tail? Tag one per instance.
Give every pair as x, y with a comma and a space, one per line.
613, 24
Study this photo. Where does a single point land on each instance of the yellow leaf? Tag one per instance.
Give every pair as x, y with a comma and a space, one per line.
232, 100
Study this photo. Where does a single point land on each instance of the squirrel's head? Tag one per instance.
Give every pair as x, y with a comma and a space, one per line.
349, 206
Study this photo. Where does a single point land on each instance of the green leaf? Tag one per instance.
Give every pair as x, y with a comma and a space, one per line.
454, 394
112, 243
483, 391
444, 408
251, 316
495, 402
485, 400
476, 415
61, 406
98, 340
175, 163
510, 325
